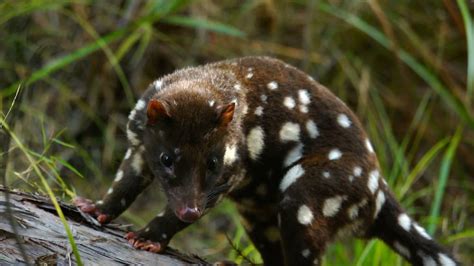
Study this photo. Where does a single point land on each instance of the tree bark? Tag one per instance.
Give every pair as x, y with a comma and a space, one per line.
45, 241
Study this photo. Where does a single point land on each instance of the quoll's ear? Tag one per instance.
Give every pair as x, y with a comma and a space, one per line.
226, 114
156, 110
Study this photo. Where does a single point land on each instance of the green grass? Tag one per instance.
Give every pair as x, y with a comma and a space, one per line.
408, 71
46, 186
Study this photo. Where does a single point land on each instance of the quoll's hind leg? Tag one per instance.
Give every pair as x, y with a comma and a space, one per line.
262, 228
304, 234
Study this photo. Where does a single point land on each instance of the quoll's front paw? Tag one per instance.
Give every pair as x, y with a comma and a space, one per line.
89, 207
143, 244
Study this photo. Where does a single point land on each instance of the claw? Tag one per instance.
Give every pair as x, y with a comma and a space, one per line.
144, 244
103, 218
130, 236
87, 206
154, 247
139, 245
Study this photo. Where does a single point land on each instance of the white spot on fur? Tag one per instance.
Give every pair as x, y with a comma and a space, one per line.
249, 75
326, 174
373, 183
230, 155
137, 161
118, 176
132, 137
157, 84
305, 253
291, 176
211, 103
237, 87
264, 98
334, 154
445, 260
132, 114
100, 202
290, 132
312, 129
123, 202
140, 105
421, 231
304, 97
259, 111
357, 171
343, 120
332, 205
255, 142
401, 249
353, 211
305, 216
272, 85
293, 155
245, 109
110, 191
128, 154
303, 108
379, 202
369, 146
404, 221
289, 102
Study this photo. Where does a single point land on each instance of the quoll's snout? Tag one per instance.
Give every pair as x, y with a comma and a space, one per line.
188, 214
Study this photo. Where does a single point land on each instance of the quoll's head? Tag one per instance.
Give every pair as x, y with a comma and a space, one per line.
185, 139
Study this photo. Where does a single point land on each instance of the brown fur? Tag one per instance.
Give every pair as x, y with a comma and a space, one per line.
229, 128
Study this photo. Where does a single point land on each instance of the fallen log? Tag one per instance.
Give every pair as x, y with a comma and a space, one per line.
45, 241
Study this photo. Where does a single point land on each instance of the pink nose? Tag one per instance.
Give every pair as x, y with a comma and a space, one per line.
188, 215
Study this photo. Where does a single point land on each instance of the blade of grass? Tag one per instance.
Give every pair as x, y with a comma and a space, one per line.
204, 24
368, 248
443, 178
114, 61
19, 8
420, 167
430, 78
388, 136
468, 26
62, 143
68, 166
48, 190
462, 235
417, 118
61, 62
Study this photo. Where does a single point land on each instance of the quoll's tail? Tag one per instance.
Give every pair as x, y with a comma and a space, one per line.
407, 238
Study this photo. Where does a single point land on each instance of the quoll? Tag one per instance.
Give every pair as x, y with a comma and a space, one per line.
293, 157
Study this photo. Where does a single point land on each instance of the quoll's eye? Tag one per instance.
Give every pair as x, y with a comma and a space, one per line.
212, 164
166, 160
